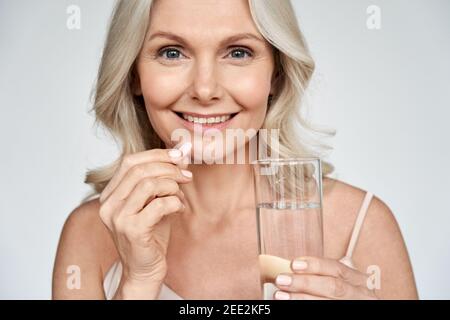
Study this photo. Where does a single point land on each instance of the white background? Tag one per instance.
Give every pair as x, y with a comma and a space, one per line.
386, 92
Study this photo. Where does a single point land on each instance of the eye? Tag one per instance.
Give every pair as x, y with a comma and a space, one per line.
173, 53
241, 53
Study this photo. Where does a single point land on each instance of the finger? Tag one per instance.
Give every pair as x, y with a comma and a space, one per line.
186, 149
324, 286
158, 208
147, 190
147, 170
329, 267
282, 295
153, 155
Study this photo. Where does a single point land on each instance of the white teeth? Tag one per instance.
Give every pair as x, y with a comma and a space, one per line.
210, 120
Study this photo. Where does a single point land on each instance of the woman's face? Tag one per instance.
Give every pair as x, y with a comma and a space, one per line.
191, 67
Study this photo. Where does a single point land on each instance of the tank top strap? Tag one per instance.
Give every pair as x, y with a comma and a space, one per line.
347, 259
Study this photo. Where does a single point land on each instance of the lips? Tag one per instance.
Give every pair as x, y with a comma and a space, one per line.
205, 119
204, 126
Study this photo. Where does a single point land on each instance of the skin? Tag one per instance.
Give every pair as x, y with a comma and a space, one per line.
211, 250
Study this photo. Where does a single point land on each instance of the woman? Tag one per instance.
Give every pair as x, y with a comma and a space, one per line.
163, 228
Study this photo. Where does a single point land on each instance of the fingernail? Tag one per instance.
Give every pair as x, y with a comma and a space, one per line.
175, 153
280, 295
283, 280
299, 265
186, 173
185, 148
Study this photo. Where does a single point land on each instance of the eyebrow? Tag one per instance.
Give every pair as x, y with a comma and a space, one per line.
233, 38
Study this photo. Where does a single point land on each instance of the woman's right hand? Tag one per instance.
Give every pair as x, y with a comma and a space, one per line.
135, 206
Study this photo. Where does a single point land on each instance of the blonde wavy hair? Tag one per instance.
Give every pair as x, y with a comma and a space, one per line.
117, 109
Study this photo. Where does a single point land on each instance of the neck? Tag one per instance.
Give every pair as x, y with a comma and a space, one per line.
219, 191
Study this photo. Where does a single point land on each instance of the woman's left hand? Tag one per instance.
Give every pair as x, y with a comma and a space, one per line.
322, 279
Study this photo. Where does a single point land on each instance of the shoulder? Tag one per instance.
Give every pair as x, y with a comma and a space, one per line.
341, 204
84, 242
83, 219
85, 229
347, 199
379, 220
380, 243
344, 200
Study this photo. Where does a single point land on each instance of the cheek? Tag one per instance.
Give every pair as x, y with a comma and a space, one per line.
160, 88
251, 93
251, 90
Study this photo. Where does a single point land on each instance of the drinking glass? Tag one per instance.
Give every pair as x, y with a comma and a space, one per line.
288, 195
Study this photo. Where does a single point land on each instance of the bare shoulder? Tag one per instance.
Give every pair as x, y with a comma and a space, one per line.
341, 203
85, 246
380, 243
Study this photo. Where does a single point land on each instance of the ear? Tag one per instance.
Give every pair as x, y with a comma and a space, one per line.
135, 82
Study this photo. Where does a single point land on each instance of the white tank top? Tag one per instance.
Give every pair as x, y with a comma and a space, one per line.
112, 277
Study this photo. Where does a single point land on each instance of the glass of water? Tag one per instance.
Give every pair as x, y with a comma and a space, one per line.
288, 195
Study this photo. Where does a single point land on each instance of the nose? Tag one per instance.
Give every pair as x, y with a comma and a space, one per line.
206, 87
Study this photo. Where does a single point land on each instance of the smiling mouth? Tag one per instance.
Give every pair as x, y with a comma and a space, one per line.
205, 119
